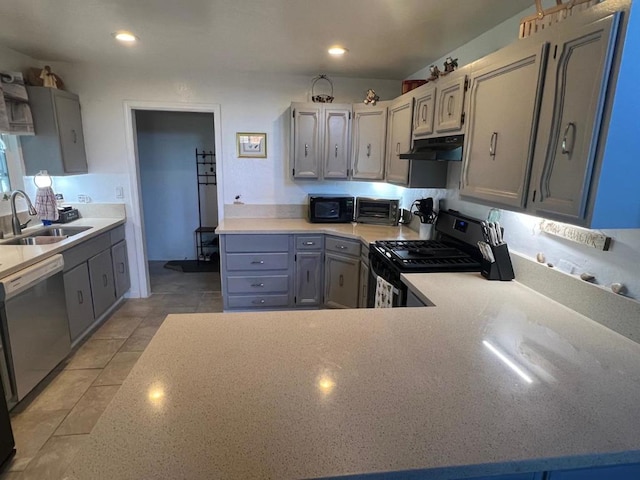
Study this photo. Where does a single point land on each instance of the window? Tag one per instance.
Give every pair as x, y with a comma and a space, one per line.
5, 183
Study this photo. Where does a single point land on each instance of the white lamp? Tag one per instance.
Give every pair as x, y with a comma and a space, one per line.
42, 179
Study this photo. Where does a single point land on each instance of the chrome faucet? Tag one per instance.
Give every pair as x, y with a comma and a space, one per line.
15, 222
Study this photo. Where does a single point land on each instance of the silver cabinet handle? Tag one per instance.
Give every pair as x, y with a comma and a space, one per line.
257, 285
336, 150
258, 262
398, 148
368, 150
258, 302
306, 149
566, 150
424, 112
80, 297
75, 136
341, 280
341, 247
309, 243
450, 105
105, 280
121, 267
307, 276
493, 143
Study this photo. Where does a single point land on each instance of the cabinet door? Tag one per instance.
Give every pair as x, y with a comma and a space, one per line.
501, 134
399, 140
77, 293
120, 268
450, 104
572, 104
308, 279
306, 148
71, 135
337, 132
341, 281
369, 136
102, 288
424, 111
364, 284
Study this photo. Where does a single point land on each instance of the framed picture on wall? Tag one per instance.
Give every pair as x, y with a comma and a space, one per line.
252, 145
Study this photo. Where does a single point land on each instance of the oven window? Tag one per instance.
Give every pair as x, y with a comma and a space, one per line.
327, 209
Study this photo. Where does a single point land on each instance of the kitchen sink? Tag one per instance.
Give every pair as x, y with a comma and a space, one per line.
45, 236
35, 240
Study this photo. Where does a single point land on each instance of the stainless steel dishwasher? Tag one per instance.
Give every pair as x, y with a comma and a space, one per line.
35, 328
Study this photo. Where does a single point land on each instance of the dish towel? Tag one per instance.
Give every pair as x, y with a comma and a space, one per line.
384, 294
46, 204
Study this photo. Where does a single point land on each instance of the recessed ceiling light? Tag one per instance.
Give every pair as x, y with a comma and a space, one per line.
125, 37
337, 50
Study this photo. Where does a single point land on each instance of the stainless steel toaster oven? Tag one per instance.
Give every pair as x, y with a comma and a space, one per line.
378, 211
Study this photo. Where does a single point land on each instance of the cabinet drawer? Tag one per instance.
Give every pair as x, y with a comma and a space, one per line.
344, 247
258, 284
76, 255
258, 301
305, 242
256, 243
258, 261
117, 234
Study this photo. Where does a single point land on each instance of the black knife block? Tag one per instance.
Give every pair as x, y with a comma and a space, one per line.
502, 268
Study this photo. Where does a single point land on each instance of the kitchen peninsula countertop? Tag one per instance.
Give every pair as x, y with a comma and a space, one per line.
363, 232
302, 394
14, 258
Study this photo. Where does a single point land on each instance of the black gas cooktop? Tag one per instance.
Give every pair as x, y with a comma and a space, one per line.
426, 255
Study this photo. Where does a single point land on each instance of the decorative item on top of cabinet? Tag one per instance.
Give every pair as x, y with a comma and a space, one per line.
564, 173
501, 134
320, 136
58, 145
368, 141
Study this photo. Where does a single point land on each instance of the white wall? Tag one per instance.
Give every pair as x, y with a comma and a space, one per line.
166, 153
620, 264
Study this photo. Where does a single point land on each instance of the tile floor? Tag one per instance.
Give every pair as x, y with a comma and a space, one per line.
53, 422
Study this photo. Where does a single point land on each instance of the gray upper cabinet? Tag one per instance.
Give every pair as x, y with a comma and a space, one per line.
337, 134
501, 133
423, 115
58, 145
572, 105
306, 127
449, 109
399, 139
320, 136
368, 141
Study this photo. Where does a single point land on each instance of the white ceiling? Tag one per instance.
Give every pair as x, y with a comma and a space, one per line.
386, 38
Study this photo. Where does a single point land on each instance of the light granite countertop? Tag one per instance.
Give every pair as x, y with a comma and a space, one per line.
360, 231
14, 258
495, 378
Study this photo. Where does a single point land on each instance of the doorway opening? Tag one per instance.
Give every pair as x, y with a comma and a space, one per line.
175, 204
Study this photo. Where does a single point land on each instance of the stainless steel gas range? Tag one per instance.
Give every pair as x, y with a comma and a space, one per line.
453, 250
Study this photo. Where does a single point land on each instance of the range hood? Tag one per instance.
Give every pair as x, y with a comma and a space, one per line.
436, 149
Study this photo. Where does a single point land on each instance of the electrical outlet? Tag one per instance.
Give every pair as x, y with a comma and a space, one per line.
84, 199
119, 192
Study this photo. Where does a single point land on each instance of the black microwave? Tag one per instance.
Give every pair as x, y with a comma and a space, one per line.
331, 208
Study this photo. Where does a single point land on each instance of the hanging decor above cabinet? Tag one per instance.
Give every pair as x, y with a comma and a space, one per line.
321, 97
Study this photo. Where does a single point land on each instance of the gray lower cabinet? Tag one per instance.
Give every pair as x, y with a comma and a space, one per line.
120, 268
102, 282
96, 274
77, 292
257, 271
341, 272
309, 270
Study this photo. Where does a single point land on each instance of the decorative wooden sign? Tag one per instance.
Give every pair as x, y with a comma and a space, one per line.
579, 235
